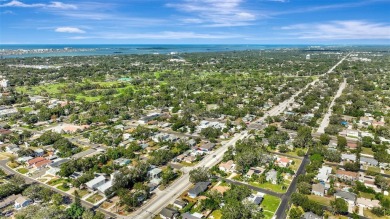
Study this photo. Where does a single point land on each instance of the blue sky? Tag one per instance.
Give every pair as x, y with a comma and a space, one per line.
195, 21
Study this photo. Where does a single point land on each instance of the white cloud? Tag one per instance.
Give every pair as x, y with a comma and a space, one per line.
166, 35
350, 29
215, 12
54, 5
69, 30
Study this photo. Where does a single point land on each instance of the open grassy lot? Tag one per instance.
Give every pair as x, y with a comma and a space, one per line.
82, 192
55, 90
321, 200
374, 169
217, 214
367, 151
23, 170
270, 186
55, 182
62, 188
95, 198
270, 204
369, 214
367, 195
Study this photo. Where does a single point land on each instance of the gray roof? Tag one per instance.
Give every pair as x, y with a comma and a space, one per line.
188, 216
310, 215
83, 153
199, 188
168, 212
58, 163
318, 188
180, 202
346, 195
207, 146
257, 200
369, 160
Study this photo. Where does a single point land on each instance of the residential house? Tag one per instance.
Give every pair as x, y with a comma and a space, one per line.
189, 159
12, 148
256, 198
271, 176
187, 215
122, 161
367, 203
254, 170
39, 152
310, 215
368, 161
191, 142
347, 175
24, 159
10, 200
96, 182
283, 161
104, 187
347, 196
228, 166
85, 153
33, 161
154, 173
324, 173
42, 164
198, 188
207, 147
318, 189
22, 202
352, 145
168, 213
180, 203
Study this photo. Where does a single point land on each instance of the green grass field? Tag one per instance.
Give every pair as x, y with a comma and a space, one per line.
270, 186
217, 214
270, 204
321, 200
82, 192
54, 90
63, 188
95, 198
23, 170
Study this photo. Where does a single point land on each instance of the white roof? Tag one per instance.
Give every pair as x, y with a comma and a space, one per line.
105, 186
323, 173
95, 181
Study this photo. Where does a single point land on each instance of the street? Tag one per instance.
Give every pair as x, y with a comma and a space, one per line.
325, 121
3, 165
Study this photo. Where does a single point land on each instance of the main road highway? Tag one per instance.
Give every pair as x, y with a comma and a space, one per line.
169, 195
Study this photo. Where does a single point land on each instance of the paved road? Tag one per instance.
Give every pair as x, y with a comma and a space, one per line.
169, 195
3, 165
325, 121
284, 204
281, 212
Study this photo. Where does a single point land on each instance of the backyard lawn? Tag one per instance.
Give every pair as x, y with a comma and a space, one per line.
217, 214
270, 186
54, 182
82, 192
62, 188
95, 198
374, 169
23, 170
367, 151
321, 200
270, 204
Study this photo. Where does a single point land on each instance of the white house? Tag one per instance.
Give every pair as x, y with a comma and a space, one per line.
96, 182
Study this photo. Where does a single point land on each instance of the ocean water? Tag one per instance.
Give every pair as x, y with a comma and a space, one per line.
92, 50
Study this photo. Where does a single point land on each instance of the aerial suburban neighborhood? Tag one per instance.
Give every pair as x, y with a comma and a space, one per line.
264, 145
